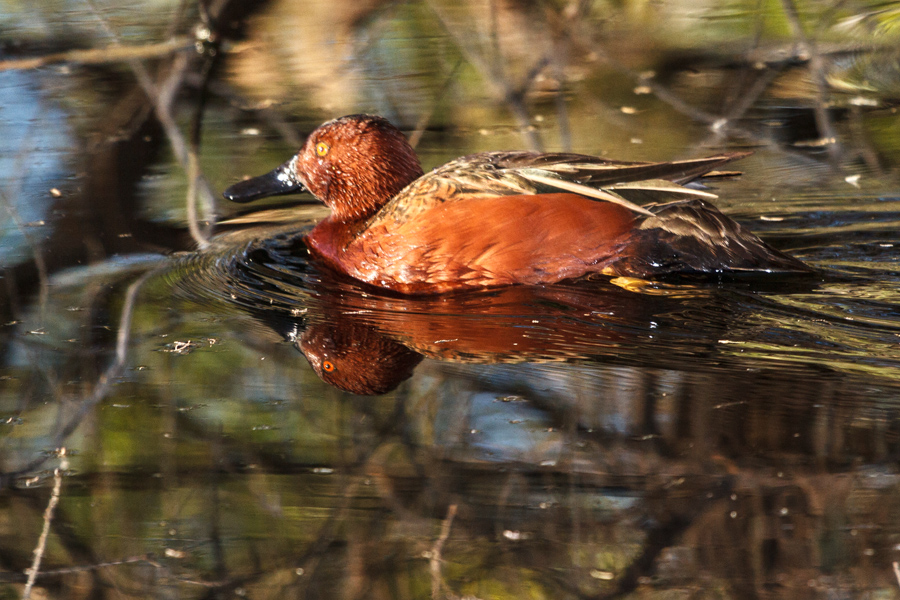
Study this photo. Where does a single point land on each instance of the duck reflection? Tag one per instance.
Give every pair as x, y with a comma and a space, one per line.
367, 341
368, 344
357, 359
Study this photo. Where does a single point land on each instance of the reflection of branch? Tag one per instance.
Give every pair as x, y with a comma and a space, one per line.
162, 98
193, 165
817, 70
193, 178
746, 101
562, 112
95, 56
868, 154
48, 518
718, 124
422, 123
496, 79
104, 383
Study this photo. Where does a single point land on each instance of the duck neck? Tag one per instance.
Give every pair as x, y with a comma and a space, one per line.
330, 237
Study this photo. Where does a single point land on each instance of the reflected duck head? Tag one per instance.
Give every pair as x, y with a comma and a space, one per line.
353, 164
357, 359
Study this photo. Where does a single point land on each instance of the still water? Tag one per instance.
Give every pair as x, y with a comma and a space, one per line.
163, 433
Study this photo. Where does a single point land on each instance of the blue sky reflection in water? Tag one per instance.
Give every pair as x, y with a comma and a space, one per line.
576, 441
34, 142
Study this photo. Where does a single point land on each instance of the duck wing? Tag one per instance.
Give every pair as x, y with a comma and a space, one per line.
595, 171
523, 173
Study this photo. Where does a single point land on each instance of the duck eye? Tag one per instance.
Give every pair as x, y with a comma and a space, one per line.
328, 366
322, 149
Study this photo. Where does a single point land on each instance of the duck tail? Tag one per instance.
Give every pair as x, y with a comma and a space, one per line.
694, 237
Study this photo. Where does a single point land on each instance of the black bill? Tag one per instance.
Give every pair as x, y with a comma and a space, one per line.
275, 183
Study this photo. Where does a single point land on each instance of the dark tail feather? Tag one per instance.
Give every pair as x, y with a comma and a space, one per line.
692, 236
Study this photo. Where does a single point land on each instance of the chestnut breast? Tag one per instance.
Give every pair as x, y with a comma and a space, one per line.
481, 242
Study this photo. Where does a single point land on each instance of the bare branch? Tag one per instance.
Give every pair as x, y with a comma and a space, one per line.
48, 518
96, 56
434, 557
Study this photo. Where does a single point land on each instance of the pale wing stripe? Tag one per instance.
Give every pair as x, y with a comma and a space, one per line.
586, 191
660, 185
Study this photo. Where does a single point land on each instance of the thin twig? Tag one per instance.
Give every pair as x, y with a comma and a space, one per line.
737, 111
859, 136
48, 518
96, 56
16, 578
162, 99
193, 168
193, 177
662, 93
434, 557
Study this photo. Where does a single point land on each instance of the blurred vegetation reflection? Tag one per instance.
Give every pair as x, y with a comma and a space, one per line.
167, 423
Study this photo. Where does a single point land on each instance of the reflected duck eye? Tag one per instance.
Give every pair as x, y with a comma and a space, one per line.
328, 366
322, 149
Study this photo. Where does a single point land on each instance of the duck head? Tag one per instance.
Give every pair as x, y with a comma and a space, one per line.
354, 164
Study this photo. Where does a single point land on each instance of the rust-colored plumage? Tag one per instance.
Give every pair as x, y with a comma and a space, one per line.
504, 218
469, 244
355, 358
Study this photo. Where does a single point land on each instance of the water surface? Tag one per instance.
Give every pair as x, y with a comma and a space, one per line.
728, 438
